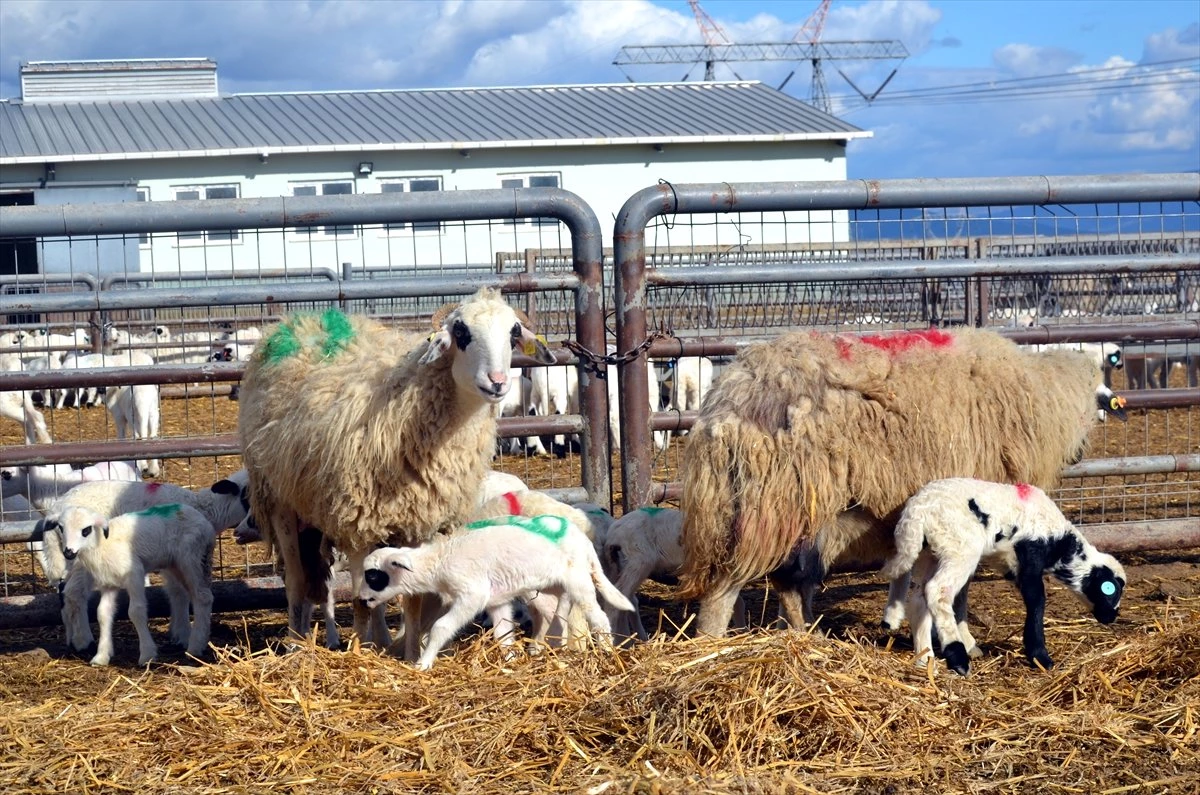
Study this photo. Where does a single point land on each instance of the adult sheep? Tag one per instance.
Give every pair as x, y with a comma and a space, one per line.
375, 437
808, 446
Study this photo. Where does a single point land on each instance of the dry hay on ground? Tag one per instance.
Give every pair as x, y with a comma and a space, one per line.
764, 712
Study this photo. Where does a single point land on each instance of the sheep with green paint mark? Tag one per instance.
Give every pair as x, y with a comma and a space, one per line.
546, 560
174, 540
375, 437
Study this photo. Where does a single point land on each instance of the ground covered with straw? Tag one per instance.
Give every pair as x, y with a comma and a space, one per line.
763, 712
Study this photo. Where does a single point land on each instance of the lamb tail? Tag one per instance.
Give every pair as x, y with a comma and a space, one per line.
604, 587
910, 537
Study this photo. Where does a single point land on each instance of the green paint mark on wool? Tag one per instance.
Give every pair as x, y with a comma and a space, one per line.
282, 343
651, 510
161, 510
338, 332
550, 527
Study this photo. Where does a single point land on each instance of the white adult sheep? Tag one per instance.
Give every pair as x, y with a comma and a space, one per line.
224, 504
373, 436
42, 484
19, 406
948, 526
1106, 355
487, 567
808, 446
174, 540
661, 438
692, 377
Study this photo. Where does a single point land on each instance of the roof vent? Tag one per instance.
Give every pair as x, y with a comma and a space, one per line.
84, 81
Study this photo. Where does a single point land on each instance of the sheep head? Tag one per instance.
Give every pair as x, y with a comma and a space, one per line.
383, 575
480, 334
81, 529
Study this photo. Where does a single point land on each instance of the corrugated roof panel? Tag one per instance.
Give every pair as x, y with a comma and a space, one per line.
475, 117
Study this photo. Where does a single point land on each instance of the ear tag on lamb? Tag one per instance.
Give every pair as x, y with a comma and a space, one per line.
529, 347
1108, 588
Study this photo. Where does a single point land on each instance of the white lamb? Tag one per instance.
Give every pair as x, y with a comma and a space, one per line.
135, 410
224, 504
485, 568
948, 526
554, 390
661, 438
175, 540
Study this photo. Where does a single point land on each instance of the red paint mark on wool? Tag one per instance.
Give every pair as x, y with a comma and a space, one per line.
843, 348
1023, 491
153, 487
895, 344
514, 505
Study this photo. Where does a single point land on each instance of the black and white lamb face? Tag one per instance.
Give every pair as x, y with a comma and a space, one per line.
1095, 577
1102, 588
383, 569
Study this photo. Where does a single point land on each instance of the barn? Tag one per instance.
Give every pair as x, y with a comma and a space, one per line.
160, 130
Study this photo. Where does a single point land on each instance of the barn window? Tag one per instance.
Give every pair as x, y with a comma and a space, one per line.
143, 195
412, 185
202, 193
531, 181
339, 188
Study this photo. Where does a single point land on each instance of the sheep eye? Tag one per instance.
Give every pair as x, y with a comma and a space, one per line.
462, 335
516, 332
87, 531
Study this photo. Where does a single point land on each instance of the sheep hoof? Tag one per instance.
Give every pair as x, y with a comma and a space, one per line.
99, 660
889, 626
1041, 658
956, 658
975, 653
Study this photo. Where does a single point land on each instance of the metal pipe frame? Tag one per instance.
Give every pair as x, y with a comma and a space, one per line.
632, 277
587, 280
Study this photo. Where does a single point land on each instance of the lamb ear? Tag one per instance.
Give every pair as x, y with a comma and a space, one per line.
400, 563
226, 486
101, 526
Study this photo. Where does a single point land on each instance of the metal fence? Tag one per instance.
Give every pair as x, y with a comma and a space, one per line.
699, 270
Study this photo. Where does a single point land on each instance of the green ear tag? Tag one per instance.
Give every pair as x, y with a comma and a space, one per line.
1107, 588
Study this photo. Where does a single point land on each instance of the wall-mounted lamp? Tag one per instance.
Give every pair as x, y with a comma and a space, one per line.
50, 173
263, 156
465, 152
365, 168
658, 147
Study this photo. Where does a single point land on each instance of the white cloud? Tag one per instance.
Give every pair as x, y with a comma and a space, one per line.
1024, 60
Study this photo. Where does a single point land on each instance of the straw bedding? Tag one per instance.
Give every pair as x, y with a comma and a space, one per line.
760, 712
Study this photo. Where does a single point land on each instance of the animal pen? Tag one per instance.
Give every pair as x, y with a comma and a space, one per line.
1102, 259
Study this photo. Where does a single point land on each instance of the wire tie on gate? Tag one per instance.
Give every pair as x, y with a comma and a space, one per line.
670, 223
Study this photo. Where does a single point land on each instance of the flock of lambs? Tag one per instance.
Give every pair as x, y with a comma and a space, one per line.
371, 449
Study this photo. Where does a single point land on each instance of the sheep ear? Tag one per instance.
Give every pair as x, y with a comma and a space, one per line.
226, 486
101, 527
400, 563
439, 343
534, 346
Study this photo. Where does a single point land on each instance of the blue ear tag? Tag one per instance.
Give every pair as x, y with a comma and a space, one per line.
1107, 588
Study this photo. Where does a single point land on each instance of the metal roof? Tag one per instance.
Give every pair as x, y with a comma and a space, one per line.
467, 118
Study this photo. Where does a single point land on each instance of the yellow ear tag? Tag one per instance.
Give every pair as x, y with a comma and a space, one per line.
432, 335
530, 347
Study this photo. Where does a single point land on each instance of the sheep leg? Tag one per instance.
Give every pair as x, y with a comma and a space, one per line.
104, 615
202, 600
177, 595
75, 593
139, 615
628, 583
370, 624
716, 608
893, 613
582, 596
414, 611
795, 609
504, 628
1030, 565
940, 592
920, 621
960, 616
333, 638
448, 625
284, 531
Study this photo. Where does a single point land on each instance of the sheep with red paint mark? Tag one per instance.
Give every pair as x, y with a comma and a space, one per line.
950, 525
808, 446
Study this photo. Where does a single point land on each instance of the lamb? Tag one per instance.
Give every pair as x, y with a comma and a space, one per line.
645, 544
555, 390
948, 526
807, 447
1106, 355
497, 483
224, 504
693, 376
42, 484
374, 437
490, 565
19, 406
661, 438
174, 540
135, 409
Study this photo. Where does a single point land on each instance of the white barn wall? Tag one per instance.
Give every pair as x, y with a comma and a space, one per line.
604, 176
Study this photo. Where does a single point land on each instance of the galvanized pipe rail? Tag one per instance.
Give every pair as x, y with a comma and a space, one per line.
632, 277
586, 280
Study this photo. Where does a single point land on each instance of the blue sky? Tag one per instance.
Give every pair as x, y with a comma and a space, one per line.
1140, 117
